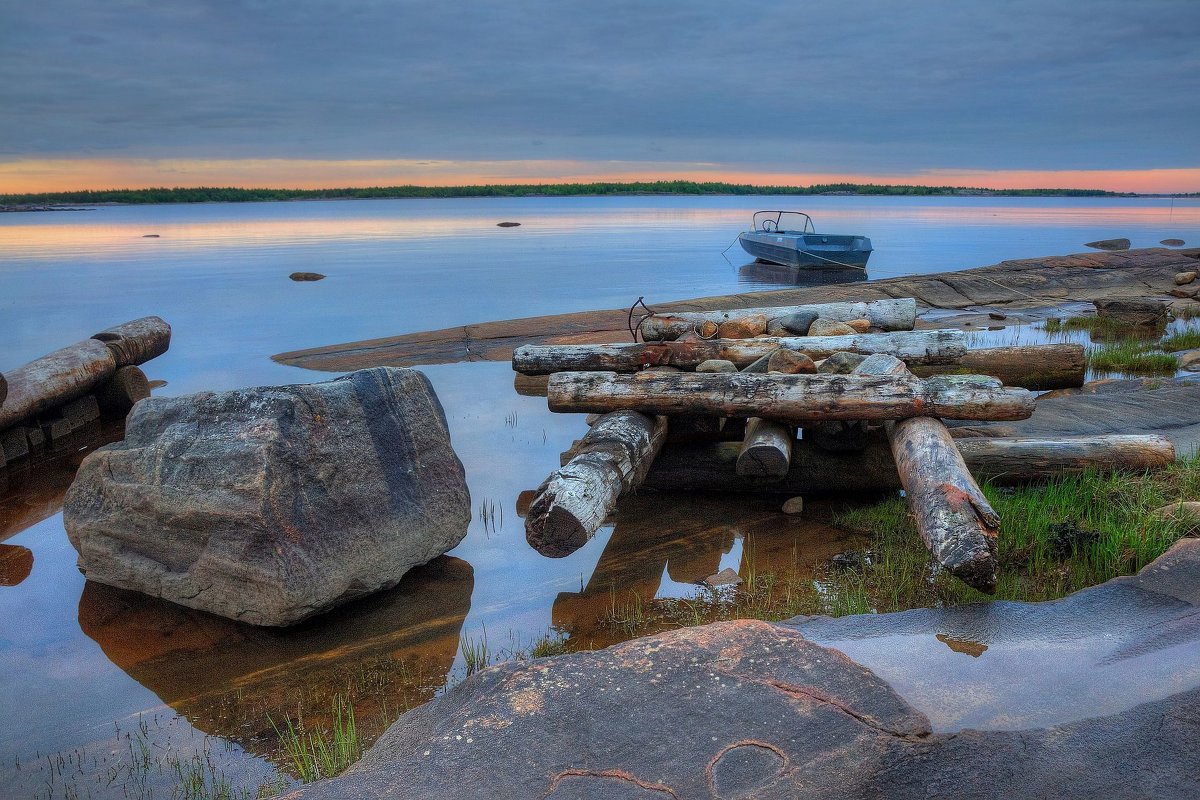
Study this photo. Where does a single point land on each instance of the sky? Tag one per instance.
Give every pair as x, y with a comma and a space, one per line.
1005, 93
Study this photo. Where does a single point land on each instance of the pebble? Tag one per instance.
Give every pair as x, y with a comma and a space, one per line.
1184, 278
716, 365
789, 362
794, 506
726, 577
743, 327
829, 327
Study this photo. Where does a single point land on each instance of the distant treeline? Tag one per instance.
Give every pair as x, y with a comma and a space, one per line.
232, 195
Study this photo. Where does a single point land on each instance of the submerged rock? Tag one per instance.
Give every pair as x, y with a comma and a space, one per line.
1109, 244
1132, 312
273, 504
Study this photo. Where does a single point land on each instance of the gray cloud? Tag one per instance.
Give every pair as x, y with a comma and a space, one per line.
791, 86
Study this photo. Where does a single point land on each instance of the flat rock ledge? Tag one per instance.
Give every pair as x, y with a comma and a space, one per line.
750, 709
273, 504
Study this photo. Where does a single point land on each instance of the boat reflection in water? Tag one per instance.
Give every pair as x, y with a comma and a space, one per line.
383, 654
764, 273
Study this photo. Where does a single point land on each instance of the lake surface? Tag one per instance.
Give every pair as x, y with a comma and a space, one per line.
88, 675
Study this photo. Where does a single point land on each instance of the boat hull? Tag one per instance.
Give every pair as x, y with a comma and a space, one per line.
809, 250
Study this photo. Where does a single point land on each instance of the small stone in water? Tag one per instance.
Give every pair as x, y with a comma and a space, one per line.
794, 506
726, 577
997, 315
855, 561
508, 224
306, 276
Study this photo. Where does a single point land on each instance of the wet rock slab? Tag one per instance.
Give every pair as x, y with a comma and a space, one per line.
273, 504
750, 709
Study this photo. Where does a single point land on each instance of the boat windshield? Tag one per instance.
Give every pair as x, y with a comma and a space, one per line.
772, 221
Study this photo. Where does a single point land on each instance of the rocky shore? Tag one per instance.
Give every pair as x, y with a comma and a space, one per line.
750, 709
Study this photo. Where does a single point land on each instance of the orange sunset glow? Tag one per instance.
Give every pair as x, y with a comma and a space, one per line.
60, 175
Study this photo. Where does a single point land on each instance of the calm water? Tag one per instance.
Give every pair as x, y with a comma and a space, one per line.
86, 673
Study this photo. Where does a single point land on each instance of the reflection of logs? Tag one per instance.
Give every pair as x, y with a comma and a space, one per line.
33, 490
1038, 366
383, 654
16, 563
685, 537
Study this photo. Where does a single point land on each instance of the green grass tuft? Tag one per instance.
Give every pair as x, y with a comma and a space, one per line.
1184, 340
1131, 356
320, 752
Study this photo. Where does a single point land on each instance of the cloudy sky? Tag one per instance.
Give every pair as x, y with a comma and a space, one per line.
296, 93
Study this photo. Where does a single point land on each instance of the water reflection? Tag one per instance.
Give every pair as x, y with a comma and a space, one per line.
664, 543
384, 654
766, 274
32, 489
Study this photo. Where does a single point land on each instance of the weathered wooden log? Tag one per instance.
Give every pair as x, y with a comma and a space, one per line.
530, 385
54, 380
790, 398
953, 518
766, 450
888, 315
574, 501
917, 347
137, 341
1038, 366
119, 393
713, 467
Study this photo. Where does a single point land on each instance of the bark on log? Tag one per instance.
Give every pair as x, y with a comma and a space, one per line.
953, 518
120, 392
574, 501
767, 449
712, 467
888, 315
1039, 366
138, 341
916, 347
790, 398
54, 380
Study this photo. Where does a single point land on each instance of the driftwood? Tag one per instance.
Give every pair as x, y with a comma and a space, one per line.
790, 398
138, 341
766, 450
1039, 366
574, 501
916, 347
119, 393
54, 380
712, 467
888, 315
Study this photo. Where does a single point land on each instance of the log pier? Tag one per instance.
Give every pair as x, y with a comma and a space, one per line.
611, 459
915, 347
61, 392
790, 398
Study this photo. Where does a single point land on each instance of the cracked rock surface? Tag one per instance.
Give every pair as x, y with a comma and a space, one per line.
750, 709
270, 505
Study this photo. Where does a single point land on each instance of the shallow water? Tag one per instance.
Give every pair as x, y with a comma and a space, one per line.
81, 665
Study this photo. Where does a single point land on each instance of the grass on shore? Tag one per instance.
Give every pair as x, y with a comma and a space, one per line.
1131, 356
1056, 538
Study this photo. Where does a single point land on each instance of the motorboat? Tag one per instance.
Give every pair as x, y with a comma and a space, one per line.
790, 239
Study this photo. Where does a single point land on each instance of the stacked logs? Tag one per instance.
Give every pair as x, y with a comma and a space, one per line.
831, 397
60, 393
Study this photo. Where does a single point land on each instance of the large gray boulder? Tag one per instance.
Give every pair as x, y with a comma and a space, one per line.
273, 504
